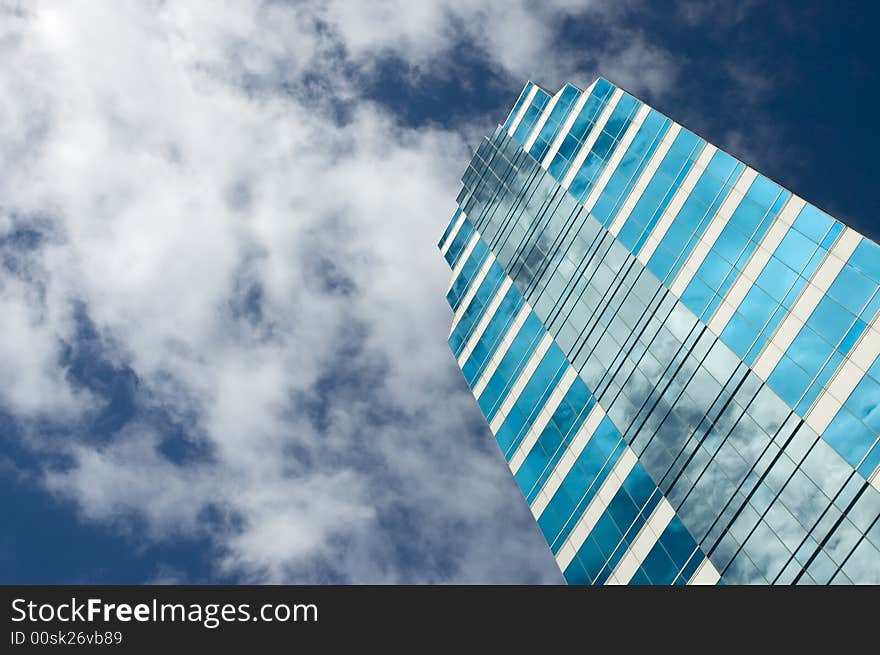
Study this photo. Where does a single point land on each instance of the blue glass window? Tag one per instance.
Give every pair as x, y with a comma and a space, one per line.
492, 335
736, 243
581, 126
474, 311
867, 259
511, 365
659, 567
580, 485
849, 437
597, 158
551, 444
663, 185
449, 228
467, 274
531, 399
780, 283
532, 115
631, 166
459, 243
567, 99
711, 189
519, 103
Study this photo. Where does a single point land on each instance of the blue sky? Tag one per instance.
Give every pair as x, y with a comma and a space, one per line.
224, 346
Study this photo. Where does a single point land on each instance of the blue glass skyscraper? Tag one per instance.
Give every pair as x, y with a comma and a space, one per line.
678, 357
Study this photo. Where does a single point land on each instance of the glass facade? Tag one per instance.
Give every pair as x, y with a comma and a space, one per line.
679, 359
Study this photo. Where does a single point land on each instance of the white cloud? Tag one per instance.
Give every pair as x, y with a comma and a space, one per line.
176, 156
638, 66
30, 381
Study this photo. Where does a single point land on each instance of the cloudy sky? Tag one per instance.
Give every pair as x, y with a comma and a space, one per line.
222, 318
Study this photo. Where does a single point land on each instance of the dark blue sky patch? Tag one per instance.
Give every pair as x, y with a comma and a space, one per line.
17, 250
179, 442
91, 553
325, 257
121, 394
297, 456
246, 306
469, 87
310, 82
316, 88
61, 549
22, 239
214, 519
414, 553
318, 400
87, 366
328, 276
122, 401
247, 302
354, 377
18, 458
317, 92
322, 569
